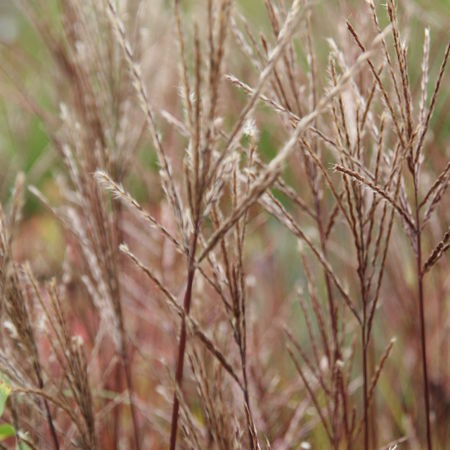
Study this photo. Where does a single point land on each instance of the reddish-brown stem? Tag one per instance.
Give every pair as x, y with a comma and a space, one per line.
366, 409
130, 389
247, 397
373, 403
128, 380
364, 342
51, 426
331, 305
124, 356
182, 345
332, 311
422, 315
116, 415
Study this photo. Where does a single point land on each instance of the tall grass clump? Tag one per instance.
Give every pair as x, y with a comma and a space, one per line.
250, 224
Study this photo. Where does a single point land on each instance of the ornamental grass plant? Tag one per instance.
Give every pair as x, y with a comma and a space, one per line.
224, 224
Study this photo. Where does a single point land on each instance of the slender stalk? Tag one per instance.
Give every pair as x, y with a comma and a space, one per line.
247, 397
116, 415
373, 403
182, 345
130, 390
422, 315
365, 343
333, 314
124, 356
48, 414
331, 304
366, 405
51, 425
